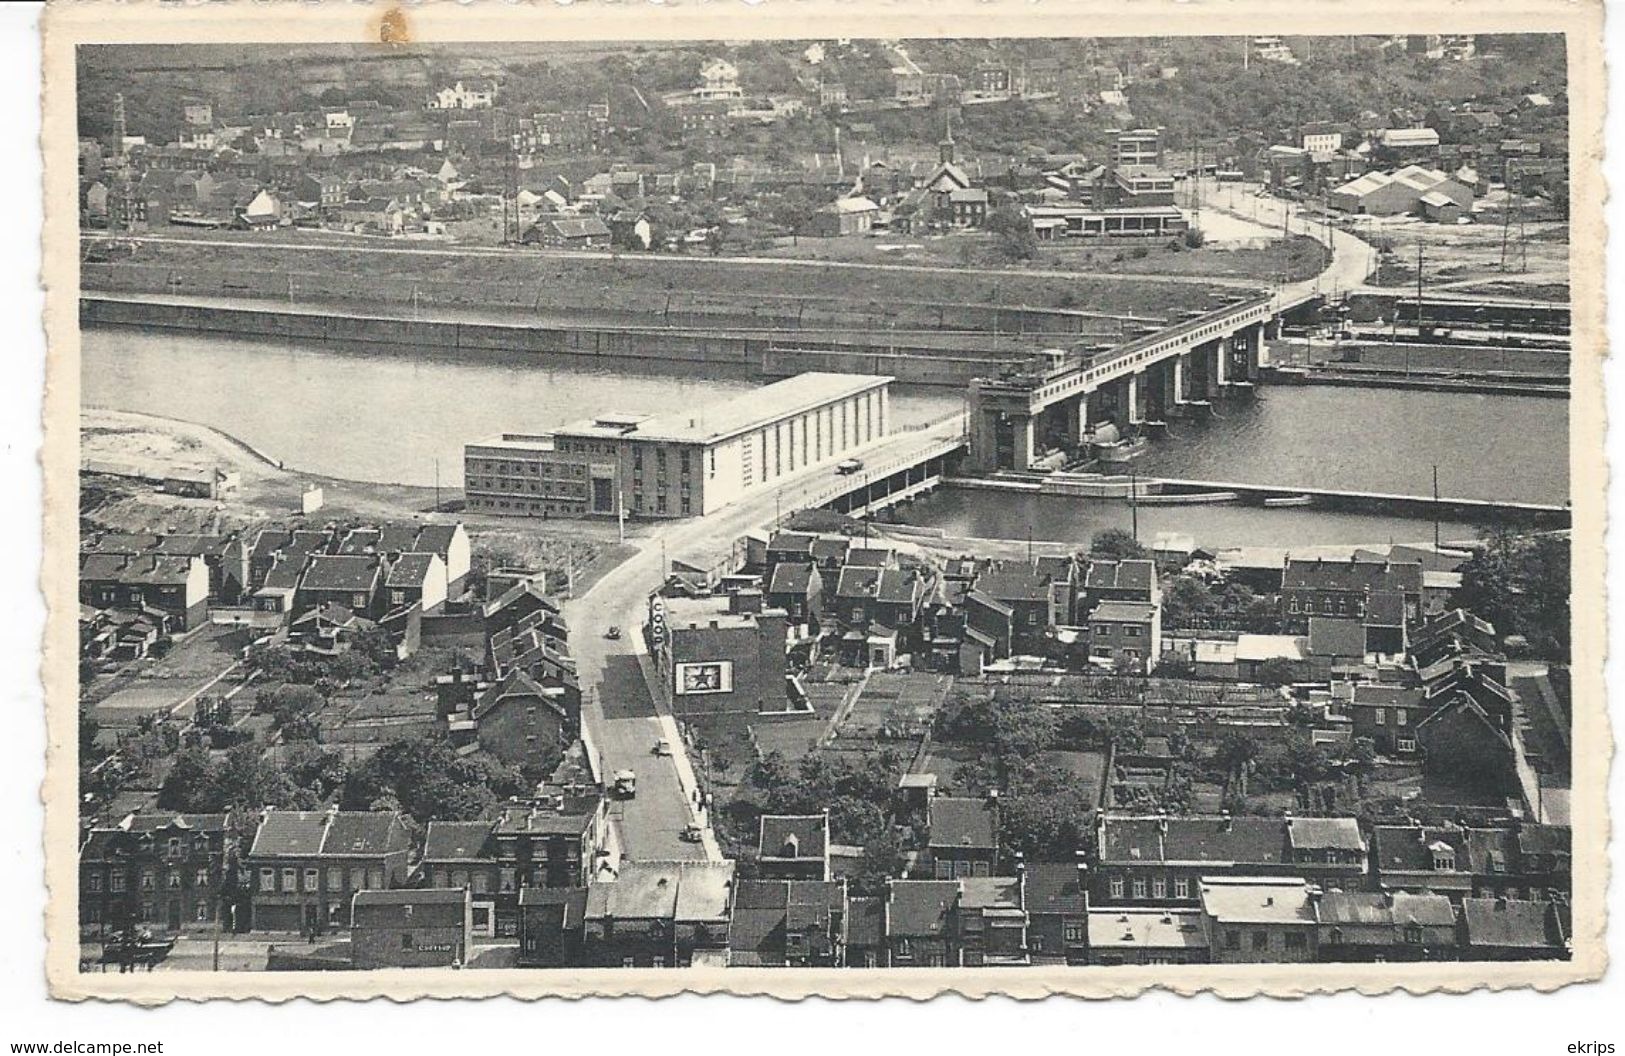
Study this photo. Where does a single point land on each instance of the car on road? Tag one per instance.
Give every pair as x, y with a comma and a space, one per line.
846, 467
613, 634
626, 783
692, 833
662, 747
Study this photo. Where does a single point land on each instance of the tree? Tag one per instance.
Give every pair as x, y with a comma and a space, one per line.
1115, 544
427, 779
1013, 232
1277, 671
1520, 583
1008, 723
1173, 665
1236, 751
1186, 599
289, 705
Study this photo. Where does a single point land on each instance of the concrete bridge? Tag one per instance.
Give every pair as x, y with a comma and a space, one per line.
1063, 399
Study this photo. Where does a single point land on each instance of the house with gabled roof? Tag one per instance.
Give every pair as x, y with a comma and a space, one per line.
1372, 926
784, 923
349, 580
1160, 859
1505, 929
794, 846
1057, 911
307, 865
962, 837
519, 719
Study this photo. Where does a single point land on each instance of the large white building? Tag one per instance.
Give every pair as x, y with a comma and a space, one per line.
685, 463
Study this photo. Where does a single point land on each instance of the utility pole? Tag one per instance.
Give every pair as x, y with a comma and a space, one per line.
1419, 289
1506, 213
437, 485
1134, 503
1435, 506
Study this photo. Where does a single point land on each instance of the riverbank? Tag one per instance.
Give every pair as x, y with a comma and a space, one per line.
270, 493
366, 275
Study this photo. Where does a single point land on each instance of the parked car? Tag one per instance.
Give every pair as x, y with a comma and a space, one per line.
662, 747
692, 833
613, 634
626, 783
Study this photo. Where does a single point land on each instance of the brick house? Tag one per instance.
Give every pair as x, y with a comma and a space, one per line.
1321, 587
993, 921
1388, 714
174, 588
161, 871
1385, 926
784, 923
308, 865
1058, 912
921, 924
1133, 579
1032, 607
351, 581
1259, 920
416, 579
551, 843
517, 718
659, 915
551, 926
962, 837
1161, 861
1127, 635
415, 928
798, 589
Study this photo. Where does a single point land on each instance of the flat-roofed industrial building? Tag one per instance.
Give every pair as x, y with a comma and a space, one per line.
678, 464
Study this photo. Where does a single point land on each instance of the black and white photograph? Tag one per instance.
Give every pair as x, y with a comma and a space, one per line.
1087, 508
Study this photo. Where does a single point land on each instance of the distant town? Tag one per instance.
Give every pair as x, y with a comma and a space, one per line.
863, 504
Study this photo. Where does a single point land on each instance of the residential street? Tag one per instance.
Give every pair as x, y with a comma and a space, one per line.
619, 710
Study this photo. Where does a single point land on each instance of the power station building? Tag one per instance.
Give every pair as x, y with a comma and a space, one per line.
681, 464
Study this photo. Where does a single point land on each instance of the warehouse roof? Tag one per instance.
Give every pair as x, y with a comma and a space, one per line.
741, 413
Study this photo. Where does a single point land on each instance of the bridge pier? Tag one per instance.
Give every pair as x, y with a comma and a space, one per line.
1134, 405
1021, 442
1253, 344
1177, 371
1075, 413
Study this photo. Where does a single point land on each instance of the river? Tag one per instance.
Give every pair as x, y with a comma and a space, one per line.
376, 414
383, 415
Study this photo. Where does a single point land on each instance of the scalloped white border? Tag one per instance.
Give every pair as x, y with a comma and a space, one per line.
73, 22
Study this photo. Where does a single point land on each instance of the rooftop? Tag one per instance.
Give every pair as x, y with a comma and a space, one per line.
328, 572
739, 414
1258, 900
1123, 612
919, 908
961, 822
794, 836
1146, 929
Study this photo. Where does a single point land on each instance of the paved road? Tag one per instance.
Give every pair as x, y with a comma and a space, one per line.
619, 708
1353, 259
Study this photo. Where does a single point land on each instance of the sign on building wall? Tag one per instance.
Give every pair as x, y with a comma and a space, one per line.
711, 677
